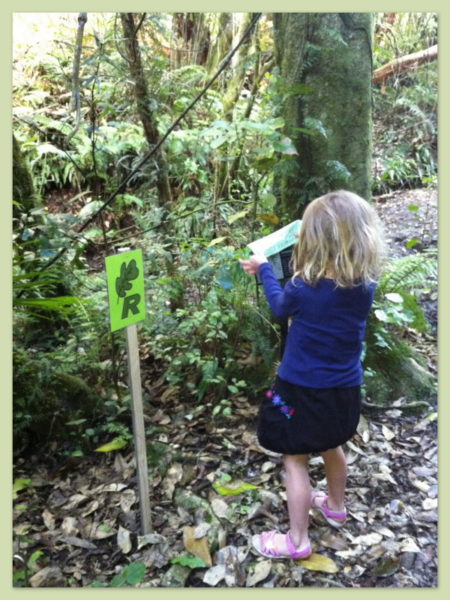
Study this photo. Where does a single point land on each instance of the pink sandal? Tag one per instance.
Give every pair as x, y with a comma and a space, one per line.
336, 519
264, 544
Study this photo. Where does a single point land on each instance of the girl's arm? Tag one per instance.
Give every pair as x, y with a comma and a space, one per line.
281, 300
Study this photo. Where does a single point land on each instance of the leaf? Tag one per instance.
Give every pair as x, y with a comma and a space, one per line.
116, 444
275, 123
221, 124
285, 146
369, 539
430, 503
174, 475
214, 575
34, 558
79, 543
268, 218
89, 209
388, 434
60, 303
69, 526
224, 278
47, 148
135, 573
216, 241
381, 315
218, 142
239, 215
150, 538
128, 199
394, 297
233, 488
412, 242
331, 540
413, 207
132, 574
49, 520
409, 545
198, 547
363, 429
123, 539
127, 499
318, 562
260, 572
387, 566
220, 508
189, 560
201, 530
19, 485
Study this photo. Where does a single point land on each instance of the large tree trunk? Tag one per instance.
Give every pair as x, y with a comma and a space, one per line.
133, 55
222, 30
233, 90
191, 39
331, 55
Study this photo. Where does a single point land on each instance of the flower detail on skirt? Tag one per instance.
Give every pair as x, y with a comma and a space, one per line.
277, 400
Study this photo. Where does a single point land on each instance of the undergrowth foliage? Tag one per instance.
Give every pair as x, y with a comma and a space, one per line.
396, 308
405, 107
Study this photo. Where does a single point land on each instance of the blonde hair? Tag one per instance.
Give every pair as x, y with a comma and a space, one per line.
340, 238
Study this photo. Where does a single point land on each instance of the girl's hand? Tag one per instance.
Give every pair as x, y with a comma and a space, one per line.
251, 265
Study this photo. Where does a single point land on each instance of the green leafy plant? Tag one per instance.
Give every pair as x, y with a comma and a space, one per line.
390, 361
189, 560
130, 576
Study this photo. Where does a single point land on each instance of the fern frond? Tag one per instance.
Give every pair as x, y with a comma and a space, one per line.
407, 273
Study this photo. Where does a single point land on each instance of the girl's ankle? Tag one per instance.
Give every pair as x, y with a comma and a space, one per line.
333, 506
299, 541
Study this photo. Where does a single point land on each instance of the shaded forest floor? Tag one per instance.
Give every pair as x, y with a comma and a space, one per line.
78, 522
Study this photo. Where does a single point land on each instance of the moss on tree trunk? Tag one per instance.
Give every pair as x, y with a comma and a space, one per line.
143, 102
330, 119
23, 188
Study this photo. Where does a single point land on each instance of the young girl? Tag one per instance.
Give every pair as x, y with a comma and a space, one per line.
314, 404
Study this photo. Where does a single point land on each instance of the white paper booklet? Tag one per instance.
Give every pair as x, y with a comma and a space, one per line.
277, 247
277, 241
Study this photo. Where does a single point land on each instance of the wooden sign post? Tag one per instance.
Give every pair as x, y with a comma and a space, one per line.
125, 275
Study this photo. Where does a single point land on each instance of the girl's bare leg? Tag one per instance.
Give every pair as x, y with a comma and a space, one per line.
336, 474
298, 491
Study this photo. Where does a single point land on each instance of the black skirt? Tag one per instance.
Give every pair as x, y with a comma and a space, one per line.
300, 420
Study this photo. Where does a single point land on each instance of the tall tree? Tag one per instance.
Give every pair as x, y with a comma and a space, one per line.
325, 59
224, 170
222, 40
190, 44
143, 101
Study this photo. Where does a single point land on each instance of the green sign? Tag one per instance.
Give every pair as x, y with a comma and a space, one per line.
125, 275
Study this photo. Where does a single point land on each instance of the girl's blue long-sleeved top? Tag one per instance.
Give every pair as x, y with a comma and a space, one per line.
324, 341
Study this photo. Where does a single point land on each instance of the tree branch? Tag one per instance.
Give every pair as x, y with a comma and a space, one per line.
404, 63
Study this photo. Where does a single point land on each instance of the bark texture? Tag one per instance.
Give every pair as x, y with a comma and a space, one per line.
404, 63
331, 55
143, 102
23, 188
